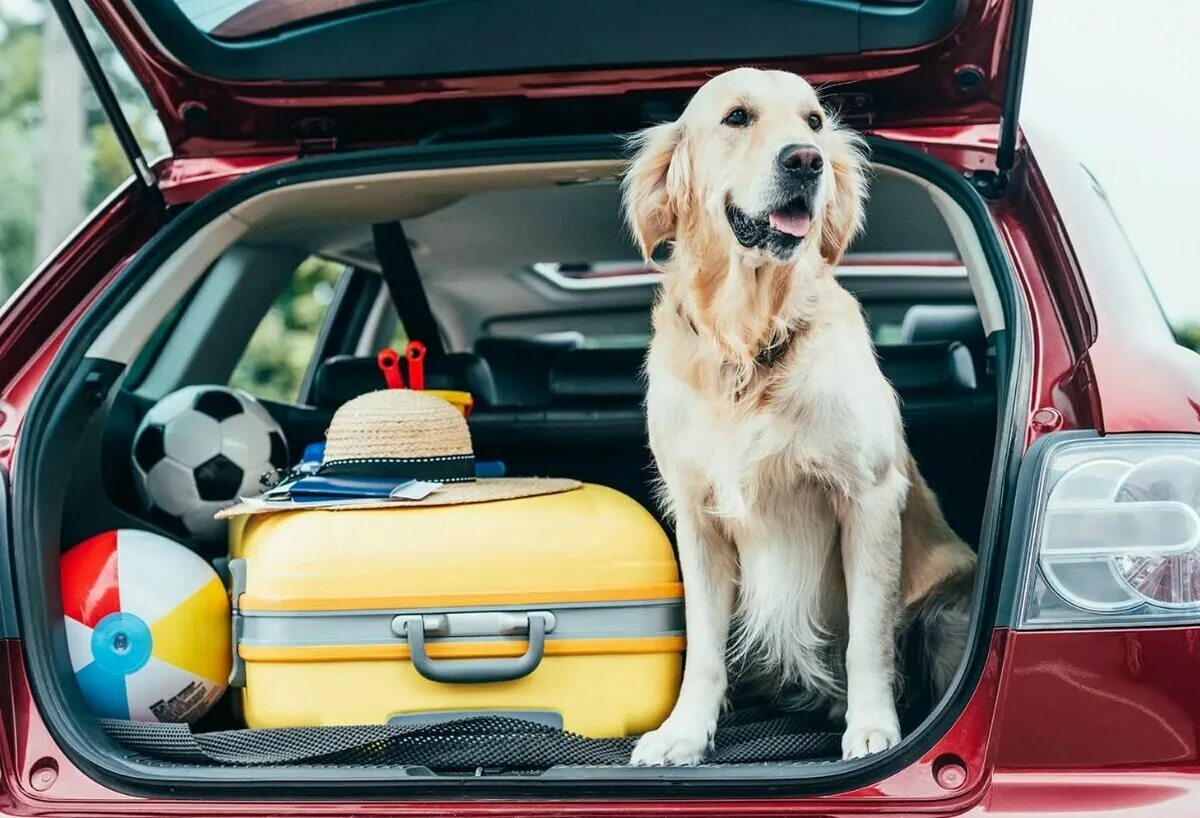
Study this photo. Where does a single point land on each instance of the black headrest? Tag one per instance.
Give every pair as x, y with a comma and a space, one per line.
599, 373
593, 376
343, 377
933, 366
521, 367
941, 322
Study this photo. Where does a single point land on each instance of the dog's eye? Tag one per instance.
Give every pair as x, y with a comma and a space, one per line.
815, 122
737, 118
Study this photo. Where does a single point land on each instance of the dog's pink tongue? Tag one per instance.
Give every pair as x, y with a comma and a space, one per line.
793, 224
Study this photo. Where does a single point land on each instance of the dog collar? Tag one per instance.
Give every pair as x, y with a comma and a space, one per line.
767, 356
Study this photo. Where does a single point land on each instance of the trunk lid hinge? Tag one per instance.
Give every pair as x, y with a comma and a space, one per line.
993, 183
107, 98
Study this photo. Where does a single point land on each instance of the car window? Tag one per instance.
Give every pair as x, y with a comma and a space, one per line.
275, 360
901, 275
239, 19
399, 335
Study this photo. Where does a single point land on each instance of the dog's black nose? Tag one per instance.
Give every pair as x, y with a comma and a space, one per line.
801, 160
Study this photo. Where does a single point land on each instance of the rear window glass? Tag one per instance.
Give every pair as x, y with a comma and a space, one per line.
280, 351
597, 275
887, 284
238, 19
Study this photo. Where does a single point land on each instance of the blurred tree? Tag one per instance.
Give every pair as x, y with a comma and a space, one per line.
20, 52
1189, 336
21, 127
61, 144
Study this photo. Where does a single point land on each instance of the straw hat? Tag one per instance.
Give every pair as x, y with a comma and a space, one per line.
406, 434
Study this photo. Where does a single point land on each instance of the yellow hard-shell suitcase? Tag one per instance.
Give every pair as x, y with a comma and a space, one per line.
565, 608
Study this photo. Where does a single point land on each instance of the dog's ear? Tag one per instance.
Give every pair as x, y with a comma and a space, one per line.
845, 205
654, 185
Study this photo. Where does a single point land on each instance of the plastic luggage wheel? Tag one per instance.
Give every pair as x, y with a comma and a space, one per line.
472, 671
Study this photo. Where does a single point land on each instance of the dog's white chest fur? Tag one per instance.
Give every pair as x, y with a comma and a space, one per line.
771, 480
832, 422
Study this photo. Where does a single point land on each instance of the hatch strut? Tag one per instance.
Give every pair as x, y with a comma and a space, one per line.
993, 184
104, 92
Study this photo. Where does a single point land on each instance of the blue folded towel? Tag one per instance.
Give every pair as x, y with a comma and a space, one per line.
336, 487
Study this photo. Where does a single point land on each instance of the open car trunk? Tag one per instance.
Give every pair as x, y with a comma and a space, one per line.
232, 81
74, 465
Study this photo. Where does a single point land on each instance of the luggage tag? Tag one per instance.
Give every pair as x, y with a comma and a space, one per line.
315, 490
281, 491
414, 490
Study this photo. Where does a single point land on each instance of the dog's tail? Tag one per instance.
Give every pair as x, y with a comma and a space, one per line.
937, 637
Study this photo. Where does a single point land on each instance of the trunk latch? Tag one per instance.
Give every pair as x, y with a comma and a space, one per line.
316, 135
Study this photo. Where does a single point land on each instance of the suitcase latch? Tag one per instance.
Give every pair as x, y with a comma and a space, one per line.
475, 623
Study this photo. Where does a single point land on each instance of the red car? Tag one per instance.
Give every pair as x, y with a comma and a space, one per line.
1044, 395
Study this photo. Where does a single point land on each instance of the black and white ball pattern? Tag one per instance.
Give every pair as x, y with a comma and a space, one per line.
199, 449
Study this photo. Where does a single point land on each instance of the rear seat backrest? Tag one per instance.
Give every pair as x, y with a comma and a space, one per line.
343, 377
946, 323
520, 367
591, 375
941, 322
602, 377
933, 366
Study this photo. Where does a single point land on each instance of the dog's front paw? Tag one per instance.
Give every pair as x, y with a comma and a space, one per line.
870, 735
673, 745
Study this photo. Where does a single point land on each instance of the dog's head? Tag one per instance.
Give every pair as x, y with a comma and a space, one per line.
754, 161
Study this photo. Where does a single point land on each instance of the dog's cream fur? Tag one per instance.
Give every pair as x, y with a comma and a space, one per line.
804, 528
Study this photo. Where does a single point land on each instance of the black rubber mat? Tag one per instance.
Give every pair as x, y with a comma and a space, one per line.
492, 743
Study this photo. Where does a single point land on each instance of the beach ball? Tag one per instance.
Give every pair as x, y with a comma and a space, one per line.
148, 627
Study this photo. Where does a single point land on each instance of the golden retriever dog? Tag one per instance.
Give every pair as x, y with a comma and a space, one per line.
808, 541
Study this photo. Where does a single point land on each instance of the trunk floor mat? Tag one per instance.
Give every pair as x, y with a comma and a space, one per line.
490, 742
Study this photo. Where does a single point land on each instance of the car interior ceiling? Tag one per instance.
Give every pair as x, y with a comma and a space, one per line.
555, 372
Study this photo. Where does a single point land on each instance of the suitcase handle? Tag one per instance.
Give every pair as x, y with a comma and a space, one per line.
470, 671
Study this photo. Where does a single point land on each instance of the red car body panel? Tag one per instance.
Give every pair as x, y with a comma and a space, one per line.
1101, 700
37, 318
183, 181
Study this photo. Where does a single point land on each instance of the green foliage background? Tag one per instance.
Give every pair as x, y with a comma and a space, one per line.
279, 351
20, 127
20, 76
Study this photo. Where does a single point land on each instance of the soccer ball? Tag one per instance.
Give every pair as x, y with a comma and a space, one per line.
198, 450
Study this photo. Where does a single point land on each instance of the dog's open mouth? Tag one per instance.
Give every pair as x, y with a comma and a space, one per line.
778, 229
793, 219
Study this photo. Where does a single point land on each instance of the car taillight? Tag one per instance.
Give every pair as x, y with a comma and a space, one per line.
1116, 534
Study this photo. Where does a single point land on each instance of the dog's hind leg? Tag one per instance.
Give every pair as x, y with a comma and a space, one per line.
708, 566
